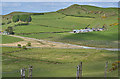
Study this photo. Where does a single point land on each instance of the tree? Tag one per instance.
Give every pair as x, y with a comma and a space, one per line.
15, 18
25, 18
30, 19
10, 30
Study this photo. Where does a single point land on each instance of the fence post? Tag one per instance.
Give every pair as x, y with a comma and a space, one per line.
80, 69
78, 72
30, 72
23, 73
106, 66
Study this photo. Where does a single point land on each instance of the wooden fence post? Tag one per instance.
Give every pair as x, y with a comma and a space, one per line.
30, 72
80, 69
78, 72
106, 66
23, 73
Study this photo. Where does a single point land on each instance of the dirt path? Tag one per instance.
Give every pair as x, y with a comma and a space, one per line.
40, 43
36, 43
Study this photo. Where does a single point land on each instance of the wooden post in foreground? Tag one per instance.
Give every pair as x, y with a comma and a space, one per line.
80, 69
78, 72
23, 73
106, 66
30, 72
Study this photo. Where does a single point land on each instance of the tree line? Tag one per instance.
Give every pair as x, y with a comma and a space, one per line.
23, 18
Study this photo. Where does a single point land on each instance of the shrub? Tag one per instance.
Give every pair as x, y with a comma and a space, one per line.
37, 13
24, 47
29, 44
21, 23
8, 22
3, 23
15, 18
19, 45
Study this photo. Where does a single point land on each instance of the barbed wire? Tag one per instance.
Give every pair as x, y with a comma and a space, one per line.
10, 72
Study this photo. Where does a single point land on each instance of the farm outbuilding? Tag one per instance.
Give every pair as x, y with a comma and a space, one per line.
82, 30
5, 33
87, 30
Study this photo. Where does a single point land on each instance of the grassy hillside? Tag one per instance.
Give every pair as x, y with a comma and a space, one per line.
88, 11
68, 19
9, 39
46, 23
56, 26
63, 62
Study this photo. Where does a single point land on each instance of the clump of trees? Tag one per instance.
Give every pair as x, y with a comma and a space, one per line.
10, 30
15, 18
3, 23
23, 18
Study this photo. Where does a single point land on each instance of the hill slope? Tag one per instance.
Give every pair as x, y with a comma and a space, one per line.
86, 10
45, 26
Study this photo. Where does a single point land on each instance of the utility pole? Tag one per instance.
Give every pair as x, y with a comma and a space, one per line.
30, 72
106, 66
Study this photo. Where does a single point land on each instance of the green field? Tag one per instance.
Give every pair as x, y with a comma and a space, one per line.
56, 26
73, 17
9, 39
50, 62
58, 22
107, 38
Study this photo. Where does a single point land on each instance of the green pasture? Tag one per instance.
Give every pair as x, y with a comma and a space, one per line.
36, 29
63, 20
53, 62
9, 39
50, 62
107, 38
53, 22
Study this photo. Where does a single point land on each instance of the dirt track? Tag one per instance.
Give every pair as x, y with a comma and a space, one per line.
43, 43
40, 43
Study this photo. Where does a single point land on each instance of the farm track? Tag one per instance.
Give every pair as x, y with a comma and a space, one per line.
38, 43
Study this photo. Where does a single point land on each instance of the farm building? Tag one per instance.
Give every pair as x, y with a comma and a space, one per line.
4, 33
87, 30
